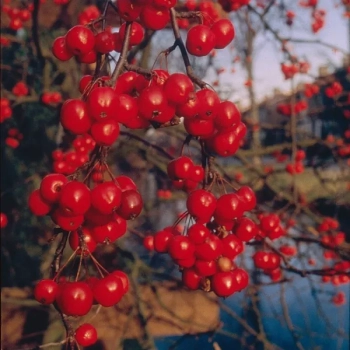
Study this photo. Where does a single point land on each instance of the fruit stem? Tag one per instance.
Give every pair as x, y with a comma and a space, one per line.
179, 42
123, 55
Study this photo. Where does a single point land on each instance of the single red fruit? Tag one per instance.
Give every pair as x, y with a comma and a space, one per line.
60, 50
223, 284
89, 244
104, 42
200, 40
131, 205
105, 133
75, 198
108, 291
211, 249
180, 247
154, 18
178, 88
148, 242
45, 291
201, 205
3, 220
75, 117
232, 246
75, 299
86, 334
198, 233
51, 186
80, 40
106, 197
125, 183
191, 279
102, 103
224, 33
111, 231
124, 278
161, 241
246, 229
37, 204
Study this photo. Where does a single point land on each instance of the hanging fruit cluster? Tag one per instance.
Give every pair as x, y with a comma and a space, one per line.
90, 206
214, 236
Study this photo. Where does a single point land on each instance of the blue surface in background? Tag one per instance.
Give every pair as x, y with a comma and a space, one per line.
315, 321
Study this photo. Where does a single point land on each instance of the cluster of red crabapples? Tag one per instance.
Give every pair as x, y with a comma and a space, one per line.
215, 236
67, 162
90, 217
98, 214
184, 174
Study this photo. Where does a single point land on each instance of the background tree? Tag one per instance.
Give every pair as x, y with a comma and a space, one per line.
295, 239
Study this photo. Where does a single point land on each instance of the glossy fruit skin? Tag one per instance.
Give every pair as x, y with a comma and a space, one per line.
75, 198
125, 183
86, 334
50, 187
227, 115
80, 40
104, 42
148, 242
247, 198
178, 88
124, 278
224, 143
137, 33
209, 102
190, 109
94, 217
75, 117
228, 207
180, 168
197, 233
210, 249
106, 132
200, 40
75, 299
232, 246
102, 103
125, 83
3, 220
128, 10
180, 247
246, 229
205, 268
68, 223
131, 205
108, 291
224, 33
106, 197
111, 231
152, 102
201, 205
154, 18
37, 205
162, 240
266, 260
202, 128
191, 279
223, 284
269, 222
126, 109
45, 291
60, 50
90, 244
241, 278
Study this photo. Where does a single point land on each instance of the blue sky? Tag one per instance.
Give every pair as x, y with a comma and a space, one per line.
268, 58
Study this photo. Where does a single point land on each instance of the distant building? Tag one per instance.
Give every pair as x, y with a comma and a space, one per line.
323, 116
